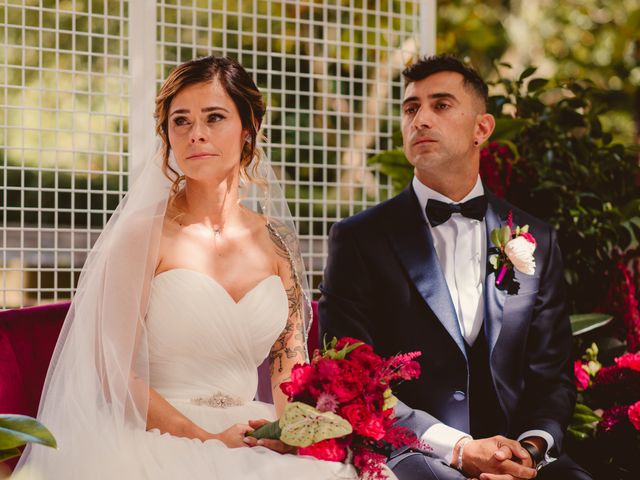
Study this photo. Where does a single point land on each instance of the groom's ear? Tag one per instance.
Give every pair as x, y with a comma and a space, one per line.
485, 123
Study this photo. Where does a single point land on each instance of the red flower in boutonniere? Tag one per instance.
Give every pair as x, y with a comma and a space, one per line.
515, 249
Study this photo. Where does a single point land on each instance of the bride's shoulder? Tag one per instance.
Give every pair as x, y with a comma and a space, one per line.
273, 235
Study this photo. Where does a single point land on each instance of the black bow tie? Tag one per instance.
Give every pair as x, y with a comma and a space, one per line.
439, 212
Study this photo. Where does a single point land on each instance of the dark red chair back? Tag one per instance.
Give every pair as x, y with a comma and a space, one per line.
27, 339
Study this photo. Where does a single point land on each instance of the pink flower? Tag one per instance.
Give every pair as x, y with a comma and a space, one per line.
326, 402
612, 418
400, 436
301, 377
634, 415
629, 360
581, 376
370, 464
528, 237
326, 450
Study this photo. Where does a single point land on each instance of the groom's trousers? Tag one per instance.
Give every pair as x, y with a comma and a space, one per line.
418, 466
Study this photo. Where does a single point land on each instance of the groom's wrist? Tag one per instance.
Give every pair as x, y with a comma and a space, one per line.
440, 440
458, 452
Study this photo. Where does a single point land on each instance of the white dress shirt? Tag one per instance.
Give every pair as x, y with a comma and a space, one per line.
461, 246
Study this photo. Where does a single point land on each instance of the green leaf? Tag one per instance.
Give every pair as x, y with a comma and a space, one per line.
508, 128
586, 322
395, 165
505, 233
581, 418
389, 157
269, 430
583, 409
303, 425
588, 428
496, 238
9, 453
536, 84
346, 350
17, 430
569, 118
577, 434
527, 73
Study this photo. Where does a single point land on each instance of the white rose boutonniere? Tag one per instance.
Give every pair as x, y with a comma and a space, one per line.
515, 249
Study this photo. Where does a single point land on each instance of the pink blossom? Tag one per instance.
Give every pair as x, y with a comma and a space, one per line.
634, 415
581, 376
612, 418
327, 402
528, 237
370, 464
629, 360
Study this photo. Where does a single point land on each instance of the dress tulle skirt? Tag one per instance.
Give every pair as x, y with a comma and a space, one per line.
139, 454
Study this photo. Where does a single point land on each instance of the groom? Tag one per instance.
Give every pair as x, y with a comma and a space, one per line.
496, 392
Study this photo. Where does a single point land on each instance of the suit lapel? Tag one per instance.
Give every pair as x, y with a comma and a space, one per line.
412, 241
495, 298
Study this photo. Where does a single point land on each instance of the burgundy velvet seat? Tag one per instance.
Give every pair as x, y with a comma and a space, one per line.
27, 339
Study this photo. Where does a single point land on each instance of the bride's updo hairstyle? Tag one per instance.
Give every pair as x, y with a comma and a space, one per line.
239, 86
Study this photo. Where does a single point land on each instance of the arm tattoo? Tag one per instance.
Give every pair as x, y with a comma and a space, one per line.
294, 330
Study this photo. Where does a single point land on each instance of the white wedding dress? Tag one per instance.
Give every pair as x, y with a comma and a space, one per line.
204, 350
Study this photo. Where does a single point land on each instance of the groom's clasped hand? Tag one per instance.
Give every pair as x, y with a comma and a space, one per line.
497, 458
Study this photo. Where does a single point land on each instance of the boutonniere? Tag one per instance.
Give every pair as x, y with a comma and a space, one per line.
515, 249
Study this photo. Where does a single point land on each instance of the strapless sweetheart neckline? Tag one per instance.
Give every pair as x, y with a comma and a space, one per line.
216, 283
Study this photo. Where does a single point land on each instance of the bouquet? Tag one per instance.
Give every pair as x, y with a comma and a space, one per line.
341, 406
607, 414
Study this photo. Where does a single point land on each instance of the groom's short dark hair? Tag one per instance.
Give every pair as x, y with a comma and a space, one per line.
428, 66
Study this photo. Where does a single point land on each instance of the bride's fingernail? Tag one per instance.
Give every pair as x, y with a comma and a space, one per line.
260, 442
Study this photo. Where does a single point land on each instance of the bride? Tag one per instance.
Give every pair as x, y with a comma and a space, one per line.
195, 280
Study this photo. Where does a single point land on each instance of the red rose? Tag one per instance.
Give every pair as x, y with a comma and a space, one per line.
363, 421
326, 450
347, 382
365, 358
581, 376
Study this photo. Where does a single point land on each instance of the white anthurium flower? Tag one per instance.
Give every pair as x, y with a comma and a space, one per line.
520, 252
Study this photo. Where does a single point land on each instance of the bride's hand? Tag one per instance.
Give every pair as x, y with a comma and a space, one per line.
233, 437
275, 445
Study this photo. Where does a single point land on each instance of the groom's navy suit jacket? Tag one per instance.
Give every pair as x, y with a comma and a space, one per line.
384, 285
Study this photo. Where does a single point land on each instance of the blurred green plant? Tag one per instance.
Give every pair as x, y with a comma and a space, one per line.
568, 171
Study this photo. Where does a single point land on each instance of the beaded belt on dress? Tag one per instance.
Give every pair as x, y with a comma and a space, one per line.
218, 400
